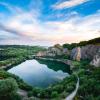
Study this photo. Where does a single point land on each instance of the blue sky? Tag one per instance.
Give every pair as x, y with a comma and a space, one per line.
47, 22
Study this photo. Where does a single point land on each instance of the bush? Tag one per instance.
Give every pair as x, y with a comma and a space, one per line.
8, 86
54, 94
30, 93
8, 89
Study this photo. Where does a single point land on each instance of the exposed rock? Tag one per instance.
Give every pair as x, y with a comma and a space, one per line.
41, 53
85, 52
76, 53
89, 51
65, 51
58, 46
22, 93
69, 62
55, 51
96, 61
78, 56
51, 51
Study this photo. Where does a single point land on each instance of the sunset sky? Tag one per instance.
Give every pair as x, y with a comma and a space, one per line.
47, 22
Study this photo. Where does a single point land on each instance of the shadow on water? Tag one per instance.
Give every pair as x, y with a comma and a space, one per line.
55, 65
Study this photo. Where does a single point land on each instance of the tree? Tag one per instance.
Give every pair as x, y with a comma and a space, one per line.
8, 89
54, 94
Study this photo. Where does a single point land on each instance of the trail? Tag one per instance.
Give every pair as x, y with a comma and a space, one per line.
72, 95
22, 93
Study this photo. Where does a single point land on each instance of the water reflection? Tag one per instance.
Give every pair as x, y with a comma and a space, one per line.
36, 74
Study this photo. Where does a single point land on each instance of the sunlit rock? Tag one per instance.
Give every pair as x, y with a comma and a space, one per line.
76, 53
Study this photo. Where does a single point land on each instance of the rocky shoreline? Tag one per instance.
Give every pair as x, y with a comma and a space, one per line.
68, 62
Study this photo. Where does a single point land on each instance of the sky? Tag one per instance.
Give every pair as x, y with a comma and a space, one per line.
48, 22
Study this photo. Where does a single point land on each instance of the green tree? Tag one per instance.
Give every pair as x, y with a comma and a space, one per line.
8, 89
54, 94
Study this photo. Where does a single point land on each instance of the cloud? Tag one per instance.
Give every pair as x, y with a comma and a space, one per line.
7, 29
71, 30
29, 29
68, 4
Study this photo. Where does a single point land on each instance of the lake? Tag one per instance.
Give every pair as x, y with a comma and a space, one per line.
41, 73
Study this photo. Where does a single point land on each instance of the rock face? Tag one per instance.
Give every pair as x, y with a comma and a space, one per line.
85, 52
96, 60
65, 51
41, 53
89, 51
76, 54
54, 51
51, 51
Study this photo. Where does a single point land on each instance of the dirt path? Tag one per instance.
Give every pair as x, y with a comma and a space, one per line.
22, 93
72, 95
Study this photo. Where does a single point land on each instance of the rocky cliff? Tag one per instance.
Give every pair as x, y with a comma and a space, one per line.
76, 53
96, 60
85, 52
89, 51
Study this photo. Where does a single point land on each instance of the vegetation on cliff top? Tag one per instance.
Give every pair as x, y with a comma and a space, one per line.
95, 41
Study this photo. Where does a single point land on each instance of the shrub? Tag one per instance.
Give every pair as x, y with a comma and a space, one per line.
54, 94
8, 89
